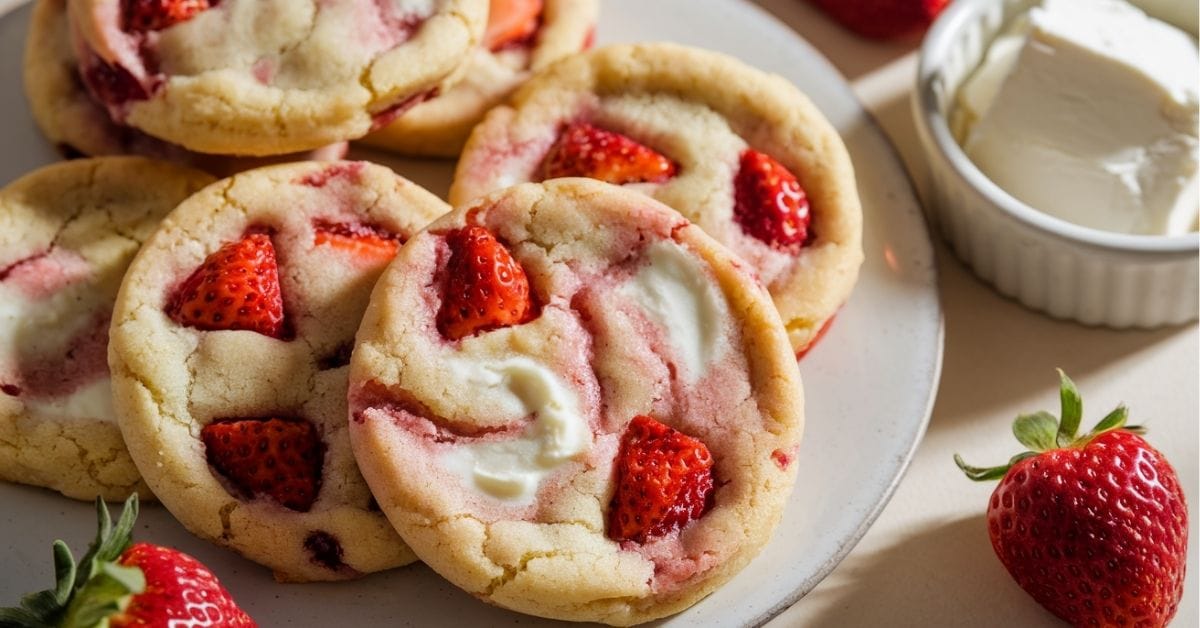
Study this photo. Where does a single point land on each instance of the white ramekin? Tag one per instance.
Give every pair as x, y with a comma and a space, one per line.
1068, 271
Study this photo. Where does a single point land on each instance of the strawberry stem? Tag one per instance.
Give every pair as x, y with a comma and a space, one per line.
87, 593
1042, 431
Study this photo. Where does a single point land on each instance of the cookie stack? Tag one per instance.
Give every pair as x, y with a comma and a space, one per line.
573, 392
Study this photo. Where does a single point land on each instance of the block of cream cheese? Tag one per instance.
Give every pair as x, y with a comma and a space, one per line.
1087, 110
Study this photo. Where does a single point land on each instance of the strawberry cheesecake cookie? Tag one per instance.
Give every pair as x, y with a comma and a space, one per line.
522, 36
67, 233
229, 348
741, 153
249, 77
573, 403
79, 126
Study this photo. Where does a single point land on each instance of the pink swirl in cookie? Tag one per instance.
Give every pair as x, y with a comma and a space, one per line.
41, 275
58, 345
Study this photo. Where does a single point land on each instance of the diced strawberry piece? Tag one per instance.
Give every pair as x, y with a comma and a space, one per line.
370, 243
152, 15
769, 203
485, 287
883, 19
664, 481
111, 84
584, 150
511, 21
278, 458
237, 287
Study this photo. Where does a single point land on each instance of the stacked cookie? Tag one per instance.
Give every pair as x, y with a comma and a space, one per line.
575, 394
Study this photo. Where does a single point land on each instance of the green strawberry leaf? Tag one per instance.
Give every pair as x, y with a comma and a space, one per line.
64, 573
1036, 431
42, 604
980, 474
1112, 421
20, 618
1072, 410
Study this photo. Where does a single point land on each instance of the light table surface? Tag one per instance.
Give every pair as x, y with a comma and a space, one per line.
927, 560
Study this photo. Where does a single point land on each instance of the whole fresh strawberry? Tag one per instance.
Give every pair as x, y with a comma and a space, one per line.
485, 287
123, 584
584, 150
664, 481
1094, 527
237, 287
883, 19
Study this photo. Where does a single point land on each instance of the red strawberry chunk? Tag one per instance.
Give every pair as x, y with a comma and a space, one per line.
369, 243
112, 85
179, 591
883, 19
511, 22
584, 150
485, 287
152, 15
769, 203
237, 287
278, 458
664, 481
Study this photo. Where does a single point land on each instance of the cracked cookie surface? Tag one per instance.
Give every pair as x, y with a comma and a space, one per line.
701, 110
67, 233
269, 77
331, 229
77, 125
495, 454
440, 127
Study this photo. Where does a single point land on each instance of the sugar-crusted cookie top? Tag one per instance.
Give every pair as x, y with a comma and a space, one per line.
275, 76
701, 110
494, 454
67, 232
179, 368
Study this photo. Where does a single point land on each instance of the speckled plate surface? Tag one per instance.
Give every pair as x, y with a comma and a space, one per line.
869, 384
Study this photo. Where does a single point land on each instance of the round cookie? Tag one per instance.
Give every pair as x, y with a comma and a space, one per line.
229, 345
522, 37
695, 130
250, 77
67, 233
72, 121
498, 435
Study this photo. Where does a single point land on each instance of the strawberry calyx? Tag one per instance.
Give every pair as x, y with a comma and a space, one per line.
1042, 431
88, 593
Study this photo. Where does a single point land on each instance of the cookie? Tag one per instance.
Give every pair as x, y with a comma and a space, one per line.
248, 77
78, 126
67, 232
741, 153
519, 361
522, 36
229, 345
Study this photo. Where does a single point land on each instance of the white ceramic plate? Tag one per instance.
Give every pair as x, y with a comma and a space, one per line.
869, 384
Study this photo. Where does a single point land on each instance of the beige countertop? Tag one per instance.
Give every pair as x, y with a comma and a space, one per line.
927, 560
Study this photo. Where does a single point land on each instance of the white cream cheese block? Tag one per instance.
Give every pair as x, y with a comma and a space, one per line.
1087, 110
